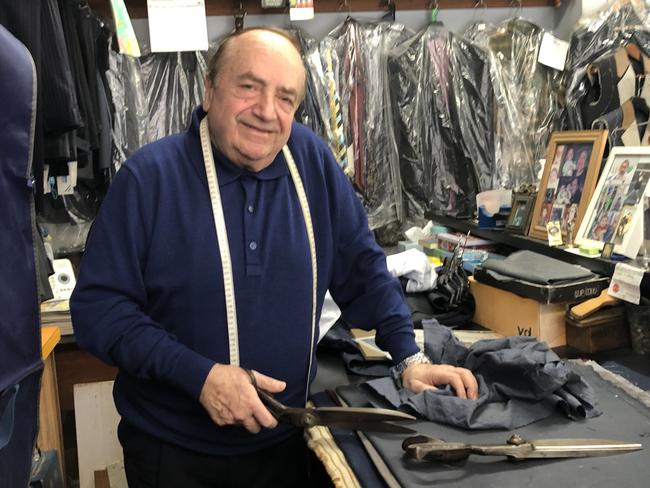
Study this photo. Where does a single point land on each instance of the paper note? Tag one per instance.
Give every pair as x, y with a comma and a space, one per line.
177, 25
553, 52
626, 283
301, 9
554, 233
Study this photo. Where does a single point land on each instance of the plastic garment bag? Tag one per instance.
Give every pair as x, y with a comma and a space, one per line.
173, 85
442, 101
353, 63
310, 112
623, 23
528, 100
124, 77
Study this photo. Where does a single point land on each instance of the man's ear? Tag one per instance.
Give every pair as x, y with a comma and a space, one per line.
207, 94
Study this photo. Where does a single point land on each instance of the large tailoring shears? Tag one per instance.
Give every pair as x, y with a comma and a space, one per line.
370, 419
427, 448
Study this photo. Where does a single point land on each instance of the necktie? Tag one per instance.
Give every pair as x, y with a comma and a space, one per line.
336, 116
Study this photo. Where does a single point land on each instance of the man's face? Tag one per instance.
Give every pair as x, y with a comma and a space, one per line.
253, 100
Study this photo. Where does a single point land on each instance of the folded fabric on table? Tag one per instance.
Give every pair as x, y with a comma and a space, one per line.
339, 339
536, 268
520, 381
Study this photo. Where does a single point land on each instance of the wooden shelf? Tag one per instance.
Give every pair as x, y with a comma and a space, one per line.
138, 8
597, 265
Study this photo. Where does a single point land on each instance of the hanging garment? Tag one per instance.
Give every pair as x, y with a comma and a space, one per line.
600, 39
441, 95
20, 347
520, 382
627, 125
309, 112
37, 24
354, 69
613, 80
124, 78
530, 92
174, 84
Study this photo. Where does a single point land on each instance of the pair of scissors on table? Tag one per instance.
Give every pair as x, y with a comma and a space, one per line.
427, 448
370, 419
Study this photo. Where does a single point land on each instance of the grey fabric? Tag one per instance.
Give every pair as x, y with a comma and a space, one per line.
625, 418
536, 268
520, 381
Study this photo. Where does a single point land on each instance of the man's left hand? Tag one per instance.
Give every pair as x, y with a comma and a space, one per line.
420, 377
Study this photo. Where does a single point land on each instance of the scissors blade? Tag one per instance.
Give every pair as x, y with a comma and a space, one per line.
359, 418
572, 448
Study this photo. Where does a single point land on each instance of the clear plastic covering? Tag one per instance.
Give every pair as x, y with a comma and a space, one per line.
623, 23
350, 87
310, 112
130, 118
442, 103
173, 85
528, 98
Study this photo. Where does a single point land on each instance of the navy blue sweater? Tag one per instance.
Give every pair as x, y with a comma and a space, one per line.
149, 296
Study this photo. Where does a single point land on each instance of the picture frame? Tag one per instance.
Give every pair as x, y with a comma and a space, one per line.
573, 161
522, 211
615, 212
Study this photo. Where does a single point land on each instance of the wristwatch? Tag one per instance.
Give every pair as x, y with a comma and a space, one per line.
417, 358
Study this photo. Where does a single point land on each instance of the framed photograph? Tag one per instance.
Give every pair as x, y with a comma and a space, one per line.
522, 210
573, 161
615, 211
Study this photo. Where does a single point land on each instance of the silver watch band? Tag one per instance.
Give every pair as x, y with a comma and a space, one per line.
417, 358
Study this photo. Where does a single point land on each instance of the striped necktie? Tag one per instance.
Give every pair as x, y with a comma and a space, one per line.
336, 116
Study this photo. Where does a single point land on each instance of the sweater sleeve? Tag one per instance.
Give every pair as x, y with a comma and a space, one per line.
108, 303
369, 296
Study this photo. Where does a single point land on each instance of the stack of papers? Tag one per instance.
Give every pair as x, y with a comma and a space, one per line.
57, 312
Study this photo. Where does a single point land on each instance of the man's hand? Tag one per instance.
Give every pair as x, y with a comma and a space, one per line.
420, 377
229, 398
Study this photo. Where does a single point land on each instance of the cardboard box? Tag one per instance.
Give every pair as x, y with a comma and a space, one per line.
511, 315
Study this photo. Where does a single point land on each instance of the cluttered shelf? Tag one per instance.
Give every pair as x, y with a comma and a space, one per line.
595, 264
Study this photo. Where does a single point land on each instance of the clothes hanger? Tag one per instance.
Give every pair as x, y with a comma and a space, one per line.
389, 16
345, 4
434, 6
240, 14
518, 6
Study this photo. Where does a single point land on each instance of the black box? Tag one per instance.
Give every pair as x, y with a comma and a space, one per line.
576, 291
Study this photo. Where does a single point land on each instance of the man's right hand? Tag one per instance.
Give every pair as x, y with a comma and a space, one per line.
230, 398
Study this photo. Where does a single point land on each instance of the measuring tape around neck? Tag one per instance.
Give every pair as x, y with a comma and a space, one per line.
224, 248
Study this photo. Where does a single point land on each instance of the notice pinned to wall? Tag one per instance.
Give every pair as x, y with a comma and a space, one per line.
177, 25
301, 9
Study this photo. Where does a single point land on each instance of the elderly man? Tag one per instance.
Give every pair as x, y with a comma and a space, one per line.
212, 252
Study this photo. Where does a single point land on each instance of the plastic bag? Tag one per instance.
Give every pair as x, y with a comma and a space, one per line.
528, 97
174, 84
623, 23
355, 54
442, 101
130, 118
